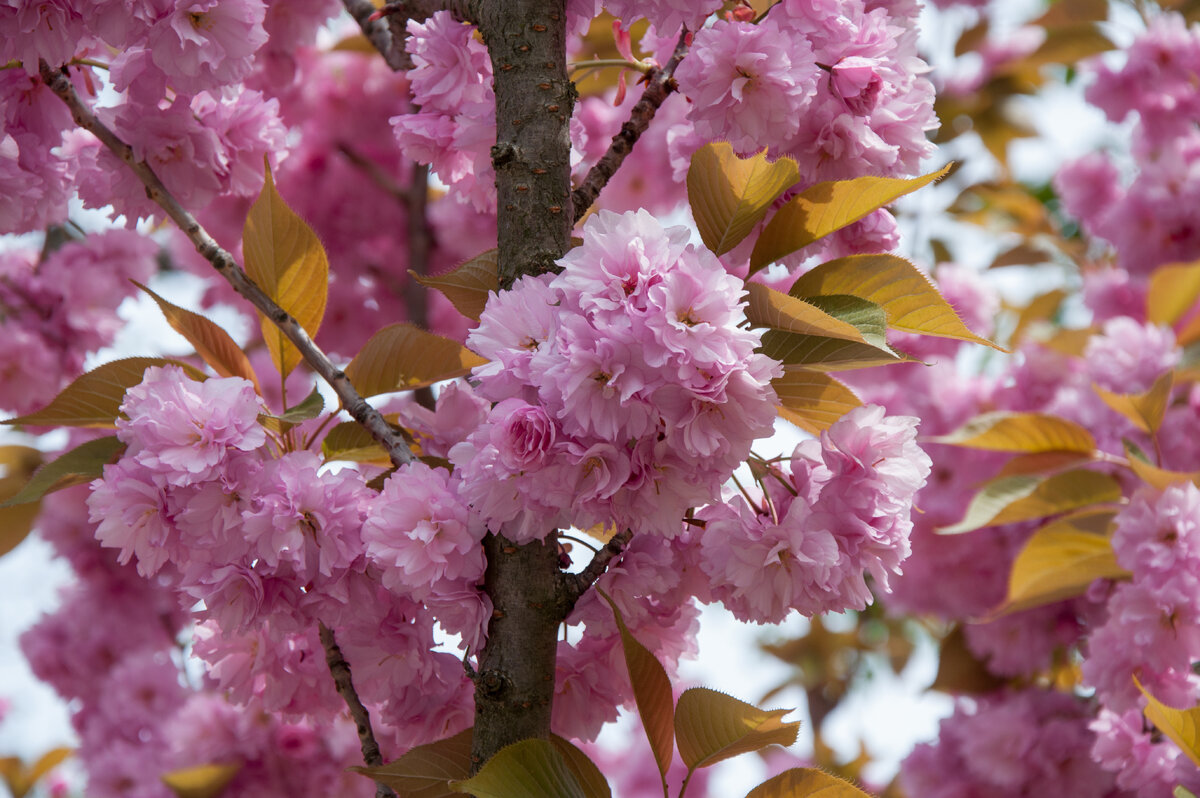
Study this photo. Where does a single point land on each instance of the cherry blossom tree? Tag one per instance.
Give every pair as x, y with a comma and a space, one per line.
537, 283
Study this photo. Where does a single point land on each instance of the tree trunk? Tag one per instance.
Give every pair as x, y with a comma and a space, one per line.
534, 98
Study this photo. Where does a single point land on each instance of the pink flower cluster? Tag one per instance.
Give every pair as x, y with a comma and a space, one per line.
1032, 742
667, 16
272, 545
839, 512
201, 147
208, 139
456, 125
1147, 220
1157, 539
51, 318
836, 85
625, 390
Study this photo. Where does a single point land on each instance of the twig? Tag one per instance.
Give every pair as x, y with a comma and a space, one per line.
228, 268
659, 85
575, 585
340, 670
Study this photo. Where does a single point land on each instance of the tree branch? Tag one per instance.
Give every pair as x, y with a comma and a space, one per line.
340, 670
575, 585
228, 268
379, 32
376, 175
659, 85
387, 28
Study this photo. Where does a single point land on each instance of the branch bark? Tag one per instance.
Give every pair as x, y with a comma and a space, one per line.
342, 680
575, 585
228, 268
387, 28
526, 40
659, 85
379, 33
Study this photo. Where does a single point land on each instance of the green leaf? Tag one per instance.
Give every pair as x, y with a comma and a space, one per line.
1144, 410
202, 781
1023, 498
427, 770
821, 209
812, 400
528, 769
212, 343
1061, 561
311, 407
1181, 726
401, 357
711, 727
285, 258
350, 441
778, 311
1021, 432
869, 318
468, 285
81, 464
807, 783
94, 399
909, 299
866, 346
652, 692
589, 776
825, 354
729, 195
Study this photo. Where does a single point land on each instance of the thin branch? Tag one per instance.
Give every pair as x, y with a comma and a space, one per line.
228, 268
379, 33
340, 670
373, 171
659, 85
575, 585
387, 28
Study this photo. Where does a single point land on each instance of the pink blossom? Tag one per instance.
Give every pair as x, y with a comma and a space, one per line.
664, 15
421, 534
249, 128
186, 156
1128, 357
458, 412
33, 185
53, 30
748, 83
523, 434
451, 69
1125, 747
183, 429
1157, 537
1152, 631
203, 44
512, 327
131, 510
1028, 742
307, 521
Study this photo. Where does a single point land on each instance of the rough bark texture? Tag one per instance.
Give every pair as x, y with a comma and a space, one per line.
526, 40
